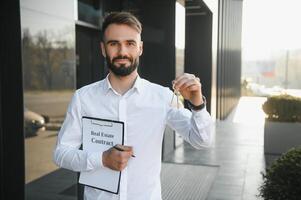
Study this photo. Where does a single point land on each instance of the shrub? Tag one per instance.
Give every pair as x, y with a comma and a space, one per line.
283, 108
282, 181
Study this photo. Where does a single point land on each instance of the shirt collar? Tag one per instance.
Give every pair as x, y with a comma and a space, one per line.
138, 85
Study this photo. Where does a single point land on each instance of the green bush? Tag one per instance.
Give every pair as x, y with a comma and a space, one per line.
283, 108
282, 181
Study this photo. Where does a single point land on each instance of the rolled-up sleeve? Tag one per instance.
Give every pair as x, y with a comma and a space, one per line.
194, 126
201, 129
67, 153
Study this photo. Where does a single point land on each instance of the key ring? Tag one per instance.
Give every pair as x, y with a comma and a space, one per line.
177, 94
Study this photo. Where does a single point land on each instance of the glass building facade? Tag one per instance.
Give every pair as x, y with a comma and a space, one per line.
49, 80
56, 46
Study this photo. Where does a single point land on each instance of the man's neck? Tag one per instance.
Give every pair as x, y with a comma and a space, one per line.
122, 84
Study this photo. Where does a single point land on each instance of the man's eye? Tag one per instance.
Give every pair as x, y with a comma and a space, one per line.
113, 44
131, 44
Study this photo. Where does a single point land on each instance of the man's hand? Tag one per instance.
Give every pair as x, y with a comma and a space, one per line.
190, 88
115, 159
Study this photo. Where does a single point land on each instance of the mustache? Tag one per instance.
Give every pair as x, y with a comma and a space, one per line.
122, 57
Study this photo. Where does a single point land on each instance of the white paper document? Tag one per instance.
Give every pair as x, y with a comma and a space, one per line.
98, 136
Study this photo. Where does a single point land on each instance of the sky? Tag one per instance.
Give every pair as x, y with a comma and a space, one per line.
270, 25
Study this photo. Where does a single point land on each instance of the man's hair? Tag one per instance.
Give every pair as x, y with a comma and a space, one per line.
125, 18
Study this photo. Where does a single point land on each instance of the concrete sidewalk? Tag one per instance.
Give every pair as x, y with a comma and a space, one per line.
238, 150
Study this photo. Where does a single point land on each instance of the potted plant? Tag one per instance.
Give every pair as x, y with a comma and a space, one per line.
283, 179
282, 128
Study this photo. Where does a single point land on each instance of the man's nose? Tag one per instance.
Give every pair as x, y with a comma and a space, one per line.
122, 50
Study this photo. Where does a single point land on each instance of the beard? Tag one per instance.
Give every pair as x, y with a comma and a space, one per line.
122, 70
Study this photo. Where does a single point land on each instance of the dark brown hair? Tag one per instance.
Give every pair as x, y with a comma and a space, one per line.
122, 18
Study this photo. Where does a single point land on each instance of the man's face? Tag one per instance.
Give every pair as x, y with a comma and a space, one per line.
122, 47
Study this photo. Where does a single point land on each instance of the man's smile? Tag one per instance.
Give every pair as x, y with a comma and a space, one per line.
121, 61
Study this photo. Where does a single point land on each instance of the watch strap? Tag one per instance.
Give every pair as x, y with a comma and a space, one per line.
197, 107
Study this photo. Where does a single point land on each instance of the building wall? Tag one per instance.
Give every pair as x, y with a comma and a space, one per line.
11, 104
49, 80
228, 56
198, 46
212, 5
48, 42
218, 24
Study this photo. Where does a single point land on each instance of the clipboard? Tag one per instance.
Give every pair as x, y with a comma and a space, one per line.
98, 136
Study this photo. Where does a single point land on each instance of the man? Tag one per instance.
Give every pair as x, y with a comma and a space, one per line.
145, 109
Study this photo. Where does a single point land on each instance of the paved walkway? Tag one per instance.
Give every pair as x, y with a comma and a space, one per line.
238, 150
186, 182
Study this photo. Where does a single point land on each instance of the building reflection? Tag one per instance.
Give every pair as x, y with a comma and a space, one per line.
49, 74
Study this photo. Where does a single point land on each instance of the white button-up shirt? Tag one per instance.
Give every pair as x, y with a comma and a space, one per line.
145, 109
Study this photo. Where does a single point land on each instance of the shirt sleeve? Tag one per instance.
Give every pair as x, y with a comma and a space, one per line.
194, 126
67, 153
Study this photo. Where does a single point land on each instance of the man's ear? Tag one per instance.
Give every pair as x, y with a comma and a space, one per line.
103, 50
141, 48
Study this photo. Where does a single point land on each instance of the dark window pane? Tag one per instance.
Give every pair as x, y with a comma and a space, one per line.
48, 60
90, 11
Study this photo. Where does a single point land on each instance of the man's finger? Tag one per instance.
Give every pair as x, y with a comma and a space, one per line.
123, 160
187, 84
179, 81
185, 75
126, 148
193, 88
123, 147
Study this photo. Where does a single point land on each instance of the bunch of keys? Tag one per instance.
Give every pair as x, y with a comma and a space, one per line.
177, 94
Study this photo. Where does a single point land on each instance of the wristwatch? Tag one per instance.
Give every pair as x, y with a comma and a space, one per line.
198, 107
